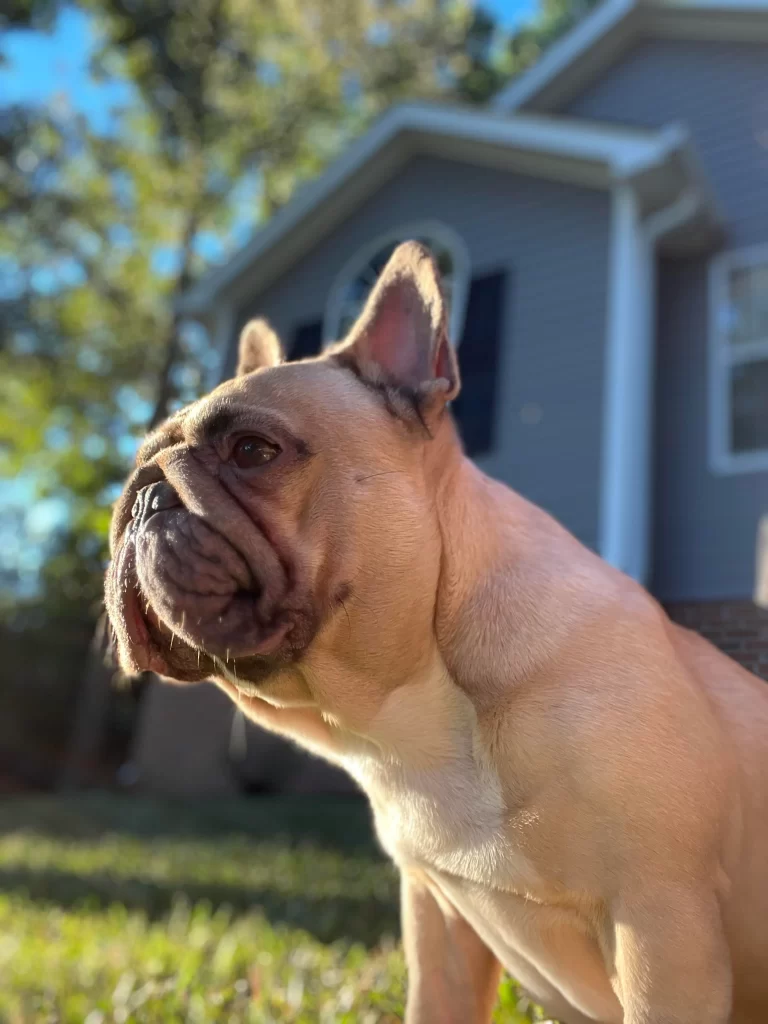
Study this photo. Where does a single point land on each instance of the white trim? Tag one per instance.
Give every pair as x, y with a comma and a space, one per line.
626, 405
746, 256
573, 46
600, 38
442, 233
722, 357
565, 148
676, 215
761, 563
626, 480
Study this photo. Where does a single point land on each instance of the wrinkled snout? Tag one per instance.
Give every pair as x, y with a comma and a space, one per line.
159, 496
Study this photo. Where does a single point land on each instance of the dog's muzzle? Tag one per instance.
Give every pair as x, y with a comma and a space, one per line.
155, 497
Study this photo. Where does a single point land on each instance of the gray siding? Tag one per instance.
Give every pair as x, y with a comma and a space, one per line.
553, 241
705, 524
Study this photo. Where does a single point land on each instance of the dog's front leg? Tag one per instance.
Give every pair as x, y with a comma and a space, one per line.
453, 978
672, 958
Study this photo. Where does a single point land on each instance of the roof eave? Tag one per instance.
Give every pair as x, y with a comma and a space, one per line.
309, 199
675, 195
592, 41
568, 152
602, 36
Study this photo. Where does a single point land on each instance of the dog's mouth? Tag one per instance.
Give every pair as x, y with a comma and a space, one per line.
188, 599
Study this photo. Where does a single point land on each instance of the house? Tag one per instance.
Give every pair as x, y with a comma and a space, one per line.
603, 231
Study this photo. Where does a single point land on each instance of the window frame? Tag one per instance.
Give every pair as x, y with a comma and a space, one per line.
723, 356
433, 229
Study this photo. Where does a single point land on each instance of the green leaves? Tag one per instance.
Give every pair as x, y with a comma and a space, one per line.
101, 233
227, 106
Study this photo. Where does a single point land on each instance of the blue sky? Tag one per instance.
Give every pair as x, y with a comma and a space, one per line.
53, 67
510, 12
45, 68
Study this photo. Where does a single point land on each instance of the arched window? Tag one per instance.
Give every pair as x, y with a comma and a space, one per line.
357, 278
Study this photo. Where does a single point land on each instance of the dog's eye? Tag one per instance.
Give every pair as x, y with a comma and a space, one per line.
250, 452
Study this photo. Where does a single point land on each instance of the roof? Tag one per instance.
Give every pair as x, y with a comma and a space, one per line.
660, 163
600, 39
530, 141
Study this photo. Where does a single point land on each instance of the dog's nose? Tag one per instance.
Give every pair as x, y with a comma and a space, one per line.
156, 497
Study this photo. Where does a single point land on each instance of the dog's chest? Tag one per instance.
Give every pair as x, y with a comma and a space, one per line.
452, 825
435, 791
449, 818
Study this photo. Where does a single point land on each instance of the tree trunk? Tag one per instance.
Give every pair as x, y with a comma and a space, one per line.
85, 745
165, 391
93, 705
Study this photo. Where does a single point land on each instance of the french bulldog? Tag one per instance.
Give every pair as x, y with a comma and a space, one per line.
573, 788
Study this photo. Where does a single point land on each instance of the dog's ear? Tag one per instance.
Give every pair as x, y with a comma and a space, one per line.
401, 337
259, 348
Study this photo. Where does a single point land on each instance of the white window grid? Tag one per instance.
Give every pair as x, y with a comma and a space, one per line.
725, 355
439, 234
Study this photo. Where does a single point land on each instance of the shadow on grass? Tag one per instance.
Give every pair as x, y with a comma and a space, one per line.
326, 918
336, 823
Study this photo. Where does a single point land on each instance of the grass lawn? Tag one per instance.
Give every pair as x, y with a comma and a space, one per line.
127, 910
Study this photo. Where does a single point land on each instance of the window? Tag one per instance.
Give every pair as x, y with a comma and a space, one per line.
739, 360
475, 407
476, 320
359, 275
307, 340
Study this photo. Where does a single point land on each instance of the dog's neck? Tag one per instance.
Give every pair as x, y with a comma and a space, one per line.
422, 723
500, 617
495, 580
497, 616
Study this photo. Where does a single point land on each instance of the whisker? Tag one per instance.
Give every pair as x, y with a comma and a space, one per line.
349, 621
384, 472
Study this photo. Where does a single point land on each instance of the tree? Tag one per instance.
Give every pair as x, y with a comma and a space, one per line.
554, 19
232, 103
263, 93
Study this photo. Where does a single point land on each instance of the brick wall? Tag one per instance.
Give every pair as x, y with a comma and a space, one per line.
739, 628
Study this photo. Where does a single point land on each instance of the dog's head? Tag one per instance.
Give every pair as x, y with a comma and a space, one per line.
289, 517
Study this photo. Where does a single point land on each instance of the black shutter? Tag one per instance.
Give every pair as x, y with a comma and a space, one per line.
307, 340
475, 407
